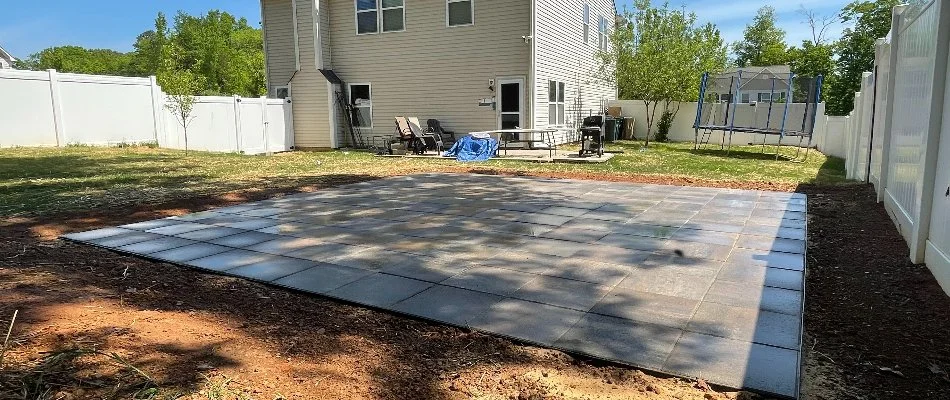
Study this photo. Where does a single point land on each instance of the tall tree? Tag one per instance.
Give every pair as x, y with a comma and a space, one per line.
855, 50
658, 56
79, 60
763, 42
814, 57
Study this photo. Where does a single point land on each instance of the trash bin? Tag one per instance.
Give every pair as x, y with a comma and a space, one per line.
611, 129
621, 128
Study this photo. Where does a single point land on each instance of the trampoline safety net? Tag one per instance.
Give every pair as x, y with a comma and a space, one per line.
759, 100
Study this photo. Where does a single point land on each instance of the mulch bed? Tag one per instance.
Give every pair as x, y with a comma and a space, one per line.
876, 325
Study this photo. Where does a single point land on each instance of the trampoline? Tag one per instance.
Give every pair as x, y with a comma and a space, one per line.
767, 101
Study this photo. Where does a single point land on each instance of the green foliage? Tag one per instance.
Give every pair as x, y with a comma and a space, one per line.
763, 43
658, 56
855, 50
75, 59
663, 129
812, 60
219, 54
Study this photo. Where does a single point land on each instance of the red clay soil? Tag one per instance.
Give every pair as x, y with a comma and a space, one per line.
876, 326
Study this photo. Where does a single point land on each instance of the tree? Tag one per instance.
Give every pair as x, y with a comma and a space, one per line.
814, 57
658, 55
79, 60
180, 86
763, 43
855, 50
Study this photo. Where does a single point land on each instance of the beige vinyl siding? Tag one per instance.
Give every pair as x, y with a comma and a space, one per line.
563, 56
309, 90
279, 36
431, 70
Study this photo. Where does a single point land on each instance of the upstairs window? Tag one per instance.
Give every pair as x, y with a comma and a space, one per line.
585, 20
556, 110
602, 36
367, 17
460, 12
374, 16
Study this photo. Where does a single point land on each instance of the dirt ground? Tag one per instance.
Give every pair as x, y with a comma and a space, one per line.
96, 324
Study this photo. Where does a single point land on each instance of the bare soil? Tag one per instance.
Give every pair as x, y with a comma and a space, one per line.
96, 324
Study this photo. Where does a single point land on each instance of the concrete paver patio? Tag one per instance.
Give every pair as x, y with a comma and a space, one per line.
697, 282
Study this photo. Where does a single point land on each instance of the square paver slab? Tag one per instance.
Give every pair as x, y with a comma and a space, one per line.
124, 239
494, 280
747, 324
190, 252
534, 322
90, 236
651, 308
248, 238
272, 268
380, 290
448, 304
155, 245
212, 233
560, 292
736, 363
322, 278
756, 275
229, 259
641, 344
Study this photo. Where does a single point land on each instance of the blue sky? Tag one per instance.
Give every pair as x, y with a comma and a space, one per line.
29, 26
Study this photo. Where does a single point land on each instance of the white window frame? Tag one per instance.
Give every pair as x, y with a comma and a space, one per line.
585, 21
447, 24
349, 92
602, 28
381, 9
379, 17
560, 101
277, 91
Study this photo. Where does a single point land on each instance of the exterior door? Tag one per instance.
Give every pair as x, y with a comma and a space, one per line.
510, 103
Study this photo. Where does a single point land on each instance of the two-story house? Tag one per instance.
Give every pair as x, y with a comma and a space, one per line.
475, 65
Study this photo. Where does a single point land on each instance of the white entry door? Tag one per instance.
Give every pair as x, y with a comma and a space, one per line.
510, 103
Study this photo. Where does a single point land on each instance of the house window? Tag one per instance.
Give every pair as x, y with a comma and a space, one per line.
374, 16
602, 35
556, 103
361, 97
769, 98
586, 22
394, 15
744, 98
281, 92
460, 12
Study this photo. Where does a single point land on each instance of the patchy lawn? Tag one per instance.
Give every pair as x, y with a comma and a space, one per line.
48, 180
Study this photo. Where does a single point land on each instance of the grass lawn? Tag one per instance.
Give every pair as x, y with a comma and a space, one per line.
46, 180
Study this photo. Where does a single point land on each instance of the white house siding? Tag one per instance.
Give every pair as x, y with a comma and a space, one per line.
431, 70
279, 36
563, 56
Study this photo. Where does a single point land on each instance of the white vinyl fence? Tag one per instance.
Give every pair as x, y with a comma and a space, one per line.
48, 108
898, 136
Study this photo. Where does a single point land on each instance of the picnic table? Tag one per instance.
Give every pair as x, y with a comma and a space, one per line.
530, 136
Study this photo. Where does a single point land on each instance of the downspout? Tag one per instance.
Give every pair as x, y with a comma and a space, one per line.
533, 66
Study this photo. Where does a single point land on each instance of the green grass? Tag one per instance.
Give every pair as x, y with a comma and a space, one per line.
47, 180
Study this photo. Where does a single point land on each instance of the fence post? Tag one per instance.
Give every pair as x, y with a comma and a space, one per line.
922, 228
57, 108
237, 124
156, 105
889, 100
265, 122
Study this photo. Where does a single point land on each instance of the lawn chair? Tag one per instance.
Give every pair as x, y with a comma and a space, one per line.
410, 134
435, 127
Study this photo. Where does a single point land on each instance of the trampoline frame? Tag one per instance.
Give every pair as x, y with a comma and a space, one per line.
731, 110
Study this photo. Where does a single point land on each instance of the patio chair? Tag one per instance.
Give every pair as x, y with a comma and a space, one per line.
435, 126
414, 138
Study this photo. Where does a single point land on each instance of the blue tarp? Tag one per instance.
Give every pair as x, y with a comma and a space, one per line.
472, 149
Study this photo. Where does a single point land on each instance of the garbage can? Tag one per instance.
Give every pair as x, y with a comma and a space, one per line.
621, 128
611, 129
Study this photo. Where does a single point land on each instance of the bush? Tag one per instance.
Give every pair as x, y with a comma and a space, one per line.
663, 127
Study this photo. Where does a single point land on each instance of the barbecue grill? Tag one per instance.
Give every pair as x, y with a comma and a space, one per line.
592, 136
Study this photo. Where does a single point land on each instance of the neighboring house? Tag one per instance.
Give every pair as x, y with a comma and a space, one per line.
473, 64
755, 83
6, 59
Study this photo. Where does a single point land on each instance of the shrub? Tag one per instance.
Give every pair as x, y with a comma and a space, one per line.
663, 127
